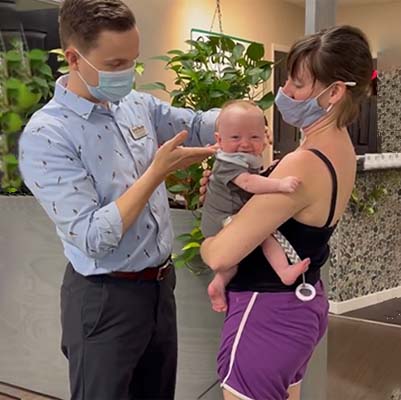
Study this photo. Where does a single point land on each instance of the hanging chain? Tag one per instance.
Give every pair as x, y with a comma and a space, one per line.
217, 12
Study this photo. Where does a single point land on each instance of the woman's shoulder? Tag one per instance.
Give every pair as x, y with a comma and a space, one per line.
298, 162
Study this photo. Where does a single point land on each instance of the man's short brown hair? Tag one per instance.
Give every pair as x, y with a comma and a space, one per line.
81, 21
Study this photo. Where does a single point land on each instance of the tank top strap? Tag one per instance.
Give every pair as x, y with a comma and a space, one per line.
333, 174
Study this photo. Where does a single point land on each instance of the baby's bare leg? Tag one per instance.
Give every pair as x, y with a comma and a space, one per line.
278, 260
217, 289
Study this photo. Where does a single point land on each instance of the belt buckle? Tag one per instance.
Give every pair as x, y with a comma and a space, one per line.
159, 276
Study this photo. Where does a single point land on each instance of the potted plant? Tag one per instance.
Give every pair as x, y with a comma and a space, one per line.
26, 81
31, 253
216, 68
213, 70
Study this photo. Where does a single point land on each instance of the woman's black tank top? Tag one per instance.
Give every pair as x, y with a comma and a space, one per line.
254, 271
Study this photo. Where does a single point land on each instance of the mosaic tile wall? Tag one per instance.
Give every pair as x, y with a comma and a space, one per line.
366, 250
389, 110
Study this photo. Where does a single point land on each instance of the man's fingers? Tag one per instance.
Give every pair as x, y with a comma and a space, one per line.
178, 139
214, 146
196, 153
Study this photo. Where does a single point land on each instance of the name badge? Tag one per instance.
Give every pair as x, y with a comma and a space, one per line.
138, 132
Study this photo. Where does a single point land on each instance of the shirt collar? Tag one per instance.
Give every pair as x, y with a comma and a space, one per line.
75, 103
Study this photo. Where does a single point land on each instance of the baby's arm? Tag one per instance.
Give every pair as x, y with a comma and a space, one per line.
258, 184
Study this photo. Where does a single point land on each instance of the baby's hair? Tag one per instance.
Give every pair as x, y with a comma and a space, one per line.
241, 103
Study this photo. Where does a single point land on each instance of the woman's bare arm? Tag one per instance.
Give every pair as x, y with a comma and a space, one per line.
260, 216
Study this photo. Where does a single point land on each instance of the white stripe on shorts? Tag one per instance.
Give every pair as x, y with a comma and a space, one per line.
239, 333
235, 392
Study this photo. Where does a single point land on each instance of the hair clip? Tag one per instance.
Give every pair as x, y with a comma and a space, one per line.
374, 75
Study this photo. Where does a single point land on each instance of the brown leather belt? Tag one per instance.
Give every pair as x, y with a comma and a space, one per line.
147, 274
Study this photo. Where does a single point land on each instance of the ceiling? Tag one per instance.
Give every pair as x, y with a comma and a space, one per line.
349, 2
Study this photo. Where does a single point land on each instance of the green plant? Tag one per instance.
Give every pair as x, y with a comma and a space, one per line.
367, 203
26, 80
216, 68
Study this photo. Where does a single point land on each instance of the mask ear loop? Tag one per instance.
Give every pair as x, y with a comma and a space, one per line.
349, 84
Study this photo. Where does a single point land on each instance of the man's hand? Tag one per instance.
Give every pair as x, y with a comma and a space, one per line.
172, 155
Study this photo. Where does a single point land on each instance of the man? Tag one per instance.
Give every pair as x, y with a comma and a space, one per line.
91, 157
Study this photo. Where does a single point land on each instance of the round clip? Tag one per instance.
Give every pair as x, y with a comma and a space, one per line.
305, 292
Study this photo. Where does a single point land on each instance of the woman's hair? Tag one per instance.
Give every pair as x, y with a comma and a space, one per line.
341, 53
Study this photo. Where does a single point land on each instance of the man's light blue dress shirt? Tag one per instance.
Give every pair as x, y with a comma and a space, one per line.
77, 158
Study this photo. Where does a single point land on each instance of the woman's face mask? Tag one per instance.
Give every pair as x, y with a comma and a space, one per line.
112, 86
302, 113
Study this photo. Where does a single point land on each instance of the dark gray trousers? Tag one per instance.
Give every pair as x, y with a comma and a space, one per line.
119, 336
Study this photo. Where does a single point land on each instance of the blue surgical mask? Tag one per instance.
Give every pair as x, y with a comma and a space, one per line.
113, 86
302, 113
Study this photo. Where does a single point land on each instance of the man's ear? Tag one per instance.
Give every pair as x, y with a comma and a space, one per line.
72, 58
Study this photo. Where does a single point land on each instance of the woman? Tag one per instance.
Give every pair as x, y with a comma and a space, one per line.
269, 334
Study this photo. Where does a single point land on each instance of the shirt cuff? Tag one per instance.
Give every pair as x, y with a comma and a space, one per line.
110, 225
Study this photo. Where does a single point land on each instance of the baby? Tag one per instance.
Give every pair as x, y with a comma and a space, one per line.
235, 178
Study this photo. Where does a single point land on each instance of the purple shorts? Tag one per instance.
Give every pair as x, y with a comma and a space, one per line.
267, 341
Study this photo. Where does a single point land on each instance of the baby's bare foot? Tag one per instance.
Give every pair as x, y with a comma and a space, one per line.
217, 296
290, 274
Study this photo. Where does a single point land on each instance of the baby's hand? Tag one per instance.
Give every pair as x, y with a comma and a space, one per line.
289, 184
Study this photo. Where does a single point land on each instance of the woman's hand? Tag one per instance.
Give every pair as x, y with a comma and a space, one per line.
203, 184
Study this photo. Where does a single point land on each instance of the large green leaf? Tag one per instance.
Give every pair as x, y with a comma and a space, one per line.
255, 51
176, 52
266, 101
153, 86
13, 84
46, 71
40, 82
13, 56
266, 74
11, 122
25, 98
10, 160
162, 58
37, 55
181, 174
238, 50
178, 188
254, 71
227, 44
185, 237
191, 245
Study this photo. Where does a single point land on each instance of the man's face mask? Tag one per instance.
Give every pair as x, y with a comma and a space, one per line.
112, 86
302, 113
